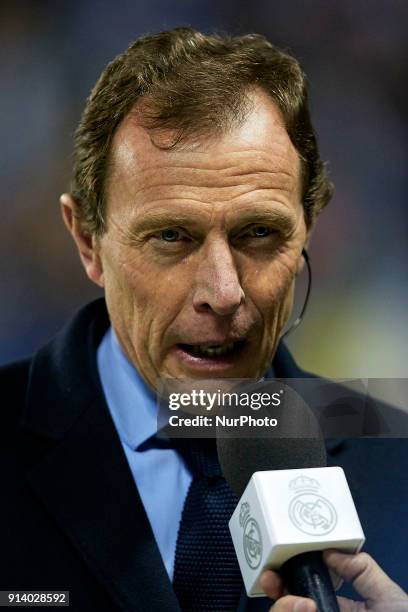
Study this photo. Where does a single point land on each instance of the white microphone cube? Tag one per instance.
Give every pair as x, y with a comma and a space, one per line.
283, 513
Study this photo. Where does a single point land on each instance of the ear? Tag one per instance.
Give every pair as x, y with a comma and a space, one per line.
87, 245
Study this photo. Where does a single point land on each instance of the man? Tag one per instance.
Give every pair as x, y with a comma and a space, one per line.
197, 183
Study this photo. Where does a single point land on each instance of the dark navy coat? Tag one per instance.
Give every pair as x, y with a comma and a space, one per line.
70, 514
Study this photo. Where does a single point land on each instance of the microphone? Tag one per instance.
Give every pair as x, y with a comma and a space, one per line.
292, 508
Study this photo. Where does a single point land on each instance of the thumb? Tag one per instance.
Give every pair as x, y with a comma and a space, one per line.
367, 577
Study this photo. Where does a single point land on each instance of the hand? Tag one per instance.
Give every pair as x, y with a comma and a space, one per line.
381, 594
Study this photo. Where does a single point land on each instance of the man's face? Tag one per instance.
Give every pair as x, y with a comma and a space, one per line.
201, 248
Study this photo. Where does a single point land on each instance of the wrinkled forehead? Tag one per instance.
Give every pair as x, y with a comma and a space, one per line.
260, 144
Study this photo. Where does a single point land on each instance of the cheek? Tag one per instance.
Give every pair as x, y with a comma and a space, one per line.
149, 294
271, 285
123, 275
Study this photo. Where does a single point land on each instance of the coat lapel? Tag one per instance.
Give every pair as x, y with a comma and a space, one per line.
83, 478
85, 483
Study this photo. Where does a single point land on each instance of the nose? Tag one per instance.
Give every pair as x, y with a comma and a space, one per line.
217, 286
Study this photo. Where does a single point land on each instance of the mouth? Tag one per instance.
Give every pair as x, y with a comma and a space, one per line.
212, 350
211, 356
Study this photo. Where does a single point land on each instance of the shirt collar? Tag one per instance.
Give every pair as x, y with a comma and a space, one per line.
131, 402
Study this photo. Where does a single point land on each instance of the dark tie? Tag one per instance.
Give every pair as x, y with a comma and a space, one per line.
206, 572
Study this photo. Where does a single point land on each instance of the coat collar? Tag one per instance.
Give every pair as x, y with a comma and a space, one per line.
64, 373
286, 367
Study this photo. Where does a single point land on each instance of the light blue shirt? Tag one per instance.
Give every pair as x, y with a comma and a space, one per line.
160, 474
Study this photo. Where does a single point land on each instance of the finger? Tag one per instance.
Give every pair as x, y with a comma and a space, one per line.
290, 603
347, 605
272, 584
369, 580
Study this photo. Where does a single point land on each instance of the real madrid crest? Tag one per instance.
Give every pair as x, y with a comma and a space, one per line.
309, 511
252, 538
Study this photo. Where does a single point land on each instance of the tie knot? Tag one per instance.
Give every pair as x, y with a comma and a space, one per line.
200, 455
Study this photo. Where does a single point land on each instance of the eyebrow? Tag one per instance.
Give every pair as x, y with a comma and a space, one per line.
160, 219
257, 214
156, 220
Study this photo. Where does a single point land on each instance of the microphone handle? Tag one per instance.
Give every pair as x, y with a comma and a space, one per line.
307, 575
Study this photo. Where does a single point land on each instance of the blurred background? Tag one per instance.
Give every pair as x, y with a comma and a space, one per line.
355, 55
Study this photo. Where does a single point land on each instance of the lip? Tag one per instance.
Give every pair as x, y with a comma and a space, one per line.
215, 341
210, 365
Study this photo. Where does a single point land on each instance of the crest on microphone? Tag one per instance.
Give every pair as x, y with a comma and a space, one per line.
304, 483
310, 512
252, 537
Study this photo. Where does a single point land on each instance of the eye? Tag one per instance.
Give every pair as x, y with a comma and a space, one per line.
259, 231
170, 235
